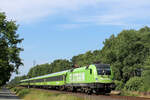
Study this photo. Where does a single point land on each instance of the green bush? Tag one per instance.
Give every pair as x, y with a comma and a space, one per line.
119, 85
17, 90
134, 84
146, 81
23, 92
14, 89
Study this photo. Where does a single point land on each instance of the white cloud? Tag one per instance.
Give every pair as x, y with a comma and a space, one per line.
103, 19
120, 12
115, 12
28, 10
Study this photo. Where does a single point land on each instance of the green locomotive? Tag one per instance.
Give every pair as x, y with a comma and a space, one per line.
94, 78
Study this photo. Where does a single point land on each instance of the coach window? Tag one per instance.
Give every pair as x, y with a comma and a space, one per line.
90, 71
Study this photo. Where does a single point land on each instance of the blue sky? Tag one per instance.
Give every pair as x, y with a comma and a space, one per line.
60, 29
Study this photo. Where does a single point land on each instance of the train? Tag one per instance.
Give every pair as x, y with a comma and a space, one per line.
94, 78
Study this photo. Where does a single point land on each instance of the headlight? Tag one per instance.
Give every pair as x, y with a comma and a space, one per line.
96, 79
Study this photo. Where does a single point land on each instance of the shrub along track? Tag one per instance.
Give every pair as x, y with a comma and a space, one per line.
96, 97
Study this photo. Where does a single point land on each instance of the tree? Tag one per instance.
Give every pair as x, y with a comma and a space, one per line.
127, 52
55, 66
39, 70
87, 58
9, 50
60, 65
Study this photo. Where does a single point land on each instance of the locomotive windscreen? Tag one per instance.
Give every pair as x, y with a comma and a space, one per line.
103, 69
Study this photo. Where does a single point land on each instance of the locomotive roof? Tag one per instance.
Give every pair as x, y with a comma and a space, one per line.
44, 76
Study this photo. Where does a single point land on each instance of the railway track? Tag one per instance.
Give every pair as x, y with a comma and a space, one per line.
96, 96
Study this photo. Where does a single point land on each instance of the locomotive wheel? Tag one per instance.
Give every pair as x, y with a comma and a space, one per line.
107, 91
70, 89
88, 91
95, 91
61, 88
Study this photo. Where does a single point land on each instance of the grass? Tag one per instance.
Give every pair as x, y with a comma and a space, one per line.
21, 92
39, 94
129, 93
36, 94
135, 93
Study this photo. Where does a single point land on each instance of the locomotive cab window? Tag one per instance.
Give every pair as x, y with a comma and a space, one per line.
103, 69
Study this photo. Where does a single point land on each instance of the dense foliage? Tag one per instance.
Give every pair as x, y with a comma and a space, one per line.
128, 53
119, 85
87, 58
134, 84
39, 70
146, 75
9, 50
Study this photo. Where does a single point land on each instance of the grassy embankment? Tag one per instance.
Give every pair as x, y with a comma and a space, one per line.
131, 93
136, 94
37, 94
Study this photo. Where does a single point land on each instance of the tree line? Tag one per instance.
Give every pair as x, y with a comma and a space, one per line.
128, 53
